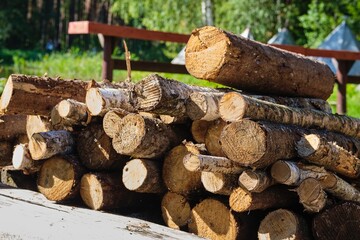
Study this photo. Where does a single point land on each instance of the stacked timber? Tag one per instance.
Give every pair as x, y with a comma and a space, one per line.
266, 159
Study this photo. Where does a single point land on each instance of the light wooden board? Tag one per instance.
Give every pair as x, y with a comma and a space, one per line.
28, 215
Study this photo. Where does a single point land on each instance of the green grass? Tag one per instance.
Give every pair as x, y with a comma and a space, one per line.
87, 66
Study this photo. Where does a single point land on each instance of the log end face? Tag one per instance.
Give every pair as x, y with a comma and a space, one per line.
94, 101
175, 210
19, 160
249, 180
37, 146
312, 195
284, 172
192, 163
6, 95
308, 145
196, 107
240, 200
213, 182
232, 107
64, 108
134, 174
91, 191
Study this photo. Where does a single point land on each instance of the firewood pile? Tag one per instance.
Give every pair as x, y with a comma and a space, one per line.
264, 158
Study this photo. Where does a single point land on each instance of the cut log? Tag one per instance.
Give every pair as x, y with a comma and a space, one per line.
321, 151
101, 100
212, 138
167, 119
104, 191
96, 151
255, 181
235, 106
164, 96
59, 178
142, 137
112, 120
219, 183
175, 210
312, 195
212, 219
259, 144
283, 224
12, 126
274, 197
204, 105
6, 152
222, 57
207, 163
144, 176
36, 124
31, 95
176, 177
291, 173
21, 160
47, 144
338, 222
199, 129
70, 112
340, 188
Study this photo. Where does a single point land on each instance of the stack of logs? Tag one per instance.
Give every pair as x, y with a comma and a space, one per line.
268, 160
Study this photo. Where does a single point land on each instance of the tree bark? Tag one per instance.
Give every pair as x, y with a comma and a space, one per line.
31, 95
222, 57
112, 121
259, 144
37, 124
212, 138
142, 137
275, 197
176, 210
59, 178
207, 163
283, 224
255, 180
338, 222
312, 195
204, 105
235, 106
12, 126
47, 144
21, 160
96, 151
219, 183
6, 149
340, 188
144, 176
70, 113
322, 151
199, 129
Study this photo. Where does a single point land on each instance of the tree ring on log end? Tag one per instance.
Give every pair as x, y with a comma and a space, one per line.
175, 210
94, 101
134, 174
91, 191
232, 107
308, 144
240, 200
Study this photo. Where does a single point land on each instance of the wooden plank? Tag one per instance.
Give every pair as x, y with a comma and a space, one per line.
30, 216
151, 66
108, 63
86, 27
354, 79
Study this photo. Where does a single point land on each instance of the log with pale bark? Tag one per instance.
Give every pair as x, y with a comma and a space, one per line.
44, 145
339, 188
12, 126
6, 152
31, 95
105, 191
204, 105
59, 178
235, 106
21, 160
322, 151
141, 175
112, 120
274, 197
36, 124
70, 113
199, 129
167, 119
208, 163
143, 137
219, 183
259, 144
176, 177
337, 222
283, 224
222, 57
96, 151
255, 180
176, 210
312, 195
212, 137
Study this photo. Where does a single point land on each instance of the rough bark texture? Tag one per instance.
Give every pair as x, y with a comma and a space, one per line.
312, 195
234, 107
338, 222
59, 178
36, 124
283, 224
6, 152
96, 151
176, 177
212, 138
12, 126
231, 60
322, 151
340, 188
204, 105
199, 129
31, 95
21, 160
176, 210
219, 183
142, 137
112, 121
70, 113
144, 176
105, 191
255, 180
259, 144
44, 145
242, 201
207, 163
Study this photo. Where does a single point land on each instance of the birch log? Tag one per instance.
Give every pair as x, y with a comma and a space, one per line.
70, 113
219, 183
21, 160
255, 180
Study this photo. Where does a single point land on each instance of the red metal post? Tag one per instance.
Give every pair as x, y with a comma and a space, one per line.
341, 74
